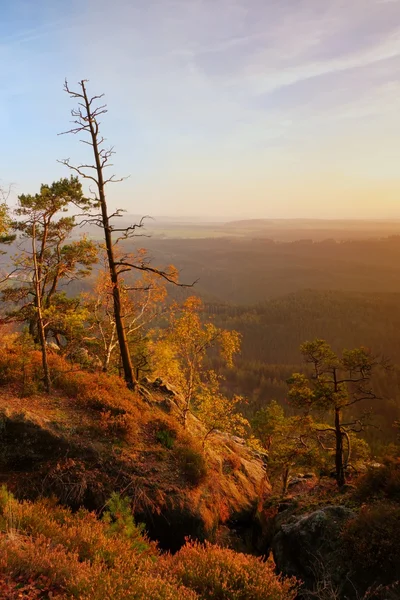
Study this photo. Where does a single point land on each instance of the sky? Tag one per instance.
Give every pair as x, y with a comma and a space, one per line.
217, 108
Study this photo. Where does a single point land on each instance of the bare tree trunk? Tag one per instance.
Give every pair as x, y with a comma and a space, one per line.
188, 399
129, 374
109, 348
348, 455
340, 478
285, 479
40, 324
86, 120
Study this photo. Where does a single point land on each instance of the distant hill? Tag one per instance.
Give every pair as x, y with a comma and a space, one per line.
314, 229
284, 230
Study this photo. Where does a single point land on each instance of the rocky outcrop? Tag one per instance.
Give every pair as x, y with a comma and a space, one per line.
308, 546
66, 448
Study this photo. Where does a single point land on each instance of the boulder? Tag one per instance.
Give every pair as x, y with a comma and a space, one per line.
53, 347
308, 546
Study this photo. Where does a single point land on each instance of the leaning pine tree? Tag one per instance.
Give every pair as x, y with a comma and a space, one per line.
86, 122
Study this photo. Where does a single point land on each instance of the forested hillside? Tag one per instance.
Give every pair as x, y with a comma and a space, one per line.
273, 331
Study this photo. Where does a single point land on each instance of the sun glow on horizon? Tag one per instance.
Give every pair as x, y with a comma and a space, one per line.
231, 107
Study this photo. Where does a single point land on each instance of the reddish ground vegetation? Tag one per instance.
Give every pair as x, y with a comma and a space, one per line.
47, 551
219, 573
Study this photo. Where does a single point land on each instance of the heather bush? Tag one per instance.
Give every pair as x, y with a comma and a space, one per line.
48, 551
79, 532
372, 543
217, 573
78, 556
31, 558
383, 481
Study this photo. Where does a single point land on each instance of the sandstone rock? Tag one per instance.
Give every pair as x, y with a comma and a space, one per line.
49, 454
307, 545
52, 346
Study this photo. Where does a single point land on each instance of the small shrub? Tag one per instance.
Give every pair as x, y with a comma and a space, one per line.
192, 464
165, 431
30, 558
217, 573
54, 553
166, 438
74, 555
119, 519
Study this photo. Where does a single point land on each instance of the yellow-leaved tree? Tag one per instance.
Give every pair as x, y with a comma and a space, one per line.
217, 411
181, 350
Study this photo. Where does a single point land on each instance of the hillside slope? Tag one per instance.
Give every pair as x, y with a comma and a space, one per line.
92, 437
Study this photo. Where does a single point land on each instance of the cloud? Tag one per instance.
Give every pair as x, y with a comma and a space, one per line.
270, 78
208, 86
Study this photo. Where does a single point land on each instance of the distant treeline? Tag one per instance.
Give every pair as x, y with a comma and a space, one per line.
249, 271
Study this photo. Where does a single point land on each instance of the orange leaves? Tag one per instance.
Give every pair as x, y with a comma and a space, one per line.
193, 304
34, 589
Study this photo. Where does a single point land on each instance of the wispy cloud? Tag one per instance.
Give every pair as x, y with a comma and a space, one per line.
211, 90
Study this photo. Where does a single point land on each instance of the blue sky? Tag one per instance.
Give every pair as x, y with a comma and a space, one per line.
218, 108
